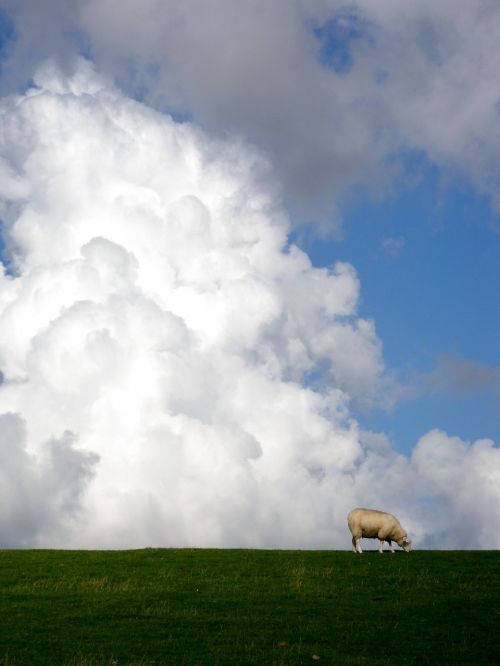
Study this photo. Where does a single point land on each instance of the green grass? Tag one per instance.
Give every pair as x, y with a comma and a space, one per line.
248, 607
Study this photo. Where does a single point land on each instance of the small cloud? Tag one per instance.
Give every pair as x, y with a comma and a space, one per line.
392, 246
460, 376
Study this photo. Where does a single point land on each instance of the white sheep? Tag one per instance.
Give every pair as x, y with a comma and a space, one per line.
373, 524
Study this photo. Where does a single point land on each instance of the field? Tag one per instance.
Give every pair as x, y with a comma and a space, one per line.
249, 607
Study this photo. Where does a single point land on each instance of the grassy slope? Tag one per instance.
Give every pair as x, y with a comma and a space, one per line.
248, 607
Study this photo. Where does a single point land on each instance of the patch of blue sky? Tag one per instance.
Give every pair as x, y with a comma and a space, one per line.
428, 262
141, 82
318, 378
7, 34
335, 38
470, 417
6, 29
180, 116
81, 44
4, 255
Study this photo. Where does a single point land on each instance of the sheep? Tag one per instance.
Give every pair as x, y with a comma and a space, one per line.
373, 524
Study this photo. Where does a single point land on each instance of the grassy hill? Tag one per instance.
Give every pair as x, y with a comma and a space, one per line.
249, 607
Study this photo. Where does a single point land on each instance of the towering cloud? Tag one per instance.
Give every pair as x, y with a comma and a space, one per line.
154, 310
165, 351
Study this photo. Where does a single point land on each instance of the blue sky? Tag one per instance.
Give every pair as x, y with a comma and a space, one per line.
151, 315
428, 261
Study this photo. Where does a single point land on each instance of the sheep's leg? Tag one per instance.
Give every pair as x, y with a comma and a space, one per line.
354, 548
381, 546
391, 546
358, 545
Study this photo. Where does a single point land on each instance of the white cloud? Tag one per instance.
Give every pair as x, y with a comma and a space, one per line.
392, 246
446, 495
39, 493
462, 481
419, 76
158, 314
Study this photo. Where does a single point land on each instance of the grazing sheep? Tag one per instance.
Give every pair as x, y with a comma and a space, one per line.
373, 524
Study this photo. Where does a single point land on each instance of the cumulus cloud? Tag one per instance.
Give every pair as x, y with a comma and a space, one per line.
153, 307
462, 482
39, 492
446, 494
329, 90
461, 377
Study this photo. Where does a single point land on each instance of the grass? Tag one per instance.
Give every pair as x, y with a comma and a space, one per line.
248, 607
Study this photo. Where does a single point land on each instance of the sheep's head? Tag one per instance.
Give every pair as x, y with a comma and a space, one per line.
405, 543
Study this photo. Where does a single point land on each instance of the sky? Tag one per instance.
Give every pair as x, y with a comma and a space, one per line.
250, 271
